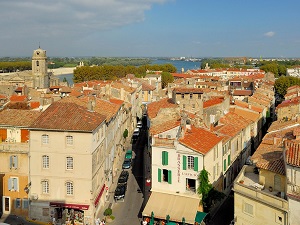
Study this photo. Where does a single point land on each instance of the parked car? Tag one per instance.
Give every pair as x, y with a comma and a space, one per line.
123, 178
120, 191
128, 154
139, 124
126, 164
136, 134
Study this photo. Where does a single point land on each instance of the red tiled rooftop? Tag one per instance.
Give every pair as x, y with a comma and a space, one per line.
181, 90
200, 140
18, 117
211, 102
154, 107
66, 116
18, 98
242, 92
182, 75
293, 153
164, 126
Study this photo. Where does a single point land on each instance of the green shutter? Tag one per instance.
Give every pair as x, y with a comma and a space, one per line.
184, 162
163, 157
169, 176
166, 158
159, 175
229, 160
195, 163
224, 164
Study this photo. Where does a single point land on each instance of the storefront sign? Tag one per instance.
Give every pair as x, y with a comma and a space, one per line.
69, 206
178, 167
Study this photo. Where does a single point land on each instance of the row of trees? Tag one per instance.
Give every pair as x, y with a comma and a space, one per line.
108, 72
6, 67
283, 83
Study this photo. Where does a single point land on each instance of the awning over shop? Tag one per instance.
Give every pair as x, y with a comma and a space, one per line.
176, 206
99, 195
200, 216
70, 206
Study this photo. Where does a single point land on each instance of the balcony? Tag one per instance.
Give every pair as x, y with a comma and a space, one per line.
247, 184
14, 147
163, 142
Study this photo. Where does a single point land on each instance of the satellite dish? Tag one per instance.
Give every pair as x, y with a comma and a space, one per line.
40, 108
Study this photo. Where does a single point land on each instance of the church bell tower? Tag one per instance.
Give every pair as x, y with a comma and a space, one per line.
40, 68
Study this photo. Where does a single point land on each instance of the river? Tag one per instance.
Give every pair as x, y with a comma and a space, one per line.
179, 64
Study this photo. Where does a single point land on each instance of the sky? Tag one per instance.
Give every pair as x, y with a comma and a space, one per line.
150, 28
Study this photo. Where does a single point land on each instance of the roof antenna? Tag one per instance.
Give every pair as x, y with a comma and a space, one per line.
39, 45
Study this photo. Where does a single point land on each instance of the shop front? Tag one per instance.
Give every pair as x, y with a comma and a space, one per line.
68, 214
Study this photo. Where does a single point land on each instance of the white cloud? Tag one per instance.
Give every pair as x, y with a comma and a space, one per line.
69, 17
269, 34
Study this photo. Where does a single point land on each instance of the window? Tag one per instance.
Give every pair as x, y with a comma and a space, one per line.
45, 139
37, 63
45, 161
190, 162
167, 176
45, 187
229, 160
13, 184
248, 208
69, 163
182, 95
17, 203
13, 162
191, 96
69, 188
25, 204
69, 140
183, 106
165, 158
224, 164
199, 96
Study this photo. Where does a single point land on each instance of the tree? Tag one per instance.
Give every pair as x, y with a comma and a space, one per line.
208, 192
166, 78
283, 83
125, 134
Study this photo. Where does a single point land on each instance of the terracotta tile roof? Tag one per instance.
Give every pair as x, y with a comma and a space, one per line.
282, 125
103, 107
242, 92
19, 89
116, 101
119, 85
18, 98
182, 75
154, 107
289, 102
245, 113
246, 105
54, 87
292, 154
3, 97
213, 101
259, 101
164, 126
231, 124
66, 89
147, 87
184, 90
200, 140
277, 165
68, 116
34, 105
18, 117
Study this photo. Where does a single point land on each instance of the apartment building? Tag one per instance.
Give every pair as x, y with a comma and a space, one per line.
14, 160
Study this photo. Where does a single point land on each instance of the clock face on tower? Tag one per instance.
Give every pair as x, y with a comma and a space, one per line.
37, 52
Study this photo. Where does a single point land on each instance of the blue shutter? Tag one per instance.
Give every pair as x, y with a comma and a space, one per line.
195, 163
25, 203
9, 184
169, 176
184, 162
16, 161
15, 184
10, 161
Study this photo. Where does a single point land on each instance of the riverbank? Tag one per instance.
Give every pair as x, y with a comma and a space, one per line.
62, 70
